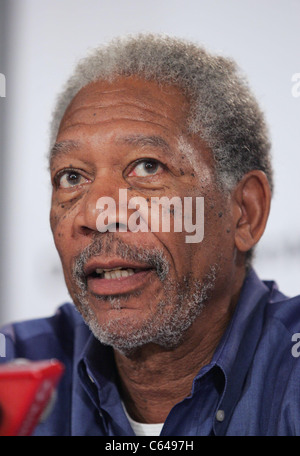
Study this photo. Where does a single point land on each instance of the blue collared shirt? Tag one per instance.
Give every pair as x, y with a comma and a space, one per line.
250, 387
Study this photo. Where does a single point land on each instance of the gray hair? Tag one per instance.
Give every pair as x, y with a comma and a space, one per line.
223, 111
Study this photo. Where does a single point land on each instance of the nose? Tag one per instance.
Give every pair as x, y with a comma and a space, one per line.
100, 201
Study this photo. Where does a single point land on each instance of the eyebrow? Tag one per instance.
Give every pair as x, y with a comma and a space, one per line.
62, 148
145, 141
66, 146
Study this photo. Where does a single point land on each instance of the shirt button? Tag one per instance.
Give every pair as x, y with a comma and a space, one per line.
220, 415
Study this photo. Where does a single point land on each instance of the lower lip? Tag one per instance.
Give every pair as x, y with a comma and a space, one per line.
122, 285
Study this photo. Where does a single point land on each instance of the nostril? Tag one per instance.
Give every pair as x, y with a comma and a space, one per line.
112, 228
86, 231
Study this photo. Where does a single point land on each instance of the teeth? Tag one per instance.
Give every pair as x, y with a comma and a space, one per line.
99, 271
115, 273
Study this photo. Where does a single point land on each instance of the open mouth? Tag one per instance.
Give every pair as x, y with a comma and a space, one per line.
113, 273
116, 279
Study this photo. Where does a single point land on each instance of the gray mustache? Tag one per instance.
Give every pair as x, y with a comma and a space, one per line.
110, 245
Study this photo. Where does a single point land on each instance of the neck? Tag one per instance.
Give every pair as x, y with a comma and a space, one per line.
154, 379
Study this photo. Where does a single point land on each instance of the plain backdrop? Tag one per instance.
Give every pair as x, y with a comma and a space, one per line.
41, 40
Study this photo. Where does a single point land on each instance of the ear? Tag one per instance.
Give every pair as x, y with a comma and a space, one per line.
252, 200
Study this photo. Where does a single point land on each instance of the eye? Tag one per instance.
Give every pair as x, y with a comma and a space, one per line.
69, 179
145, 168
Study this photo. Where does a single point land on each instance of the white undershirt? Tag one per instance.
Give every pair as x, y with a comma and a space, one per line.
143, 428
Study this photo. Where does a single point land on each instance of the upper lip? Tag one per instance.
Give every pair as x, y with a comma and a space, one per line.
94, 264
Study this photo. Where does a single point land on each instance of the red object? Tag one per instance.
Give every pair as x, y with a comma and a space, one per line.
26, 391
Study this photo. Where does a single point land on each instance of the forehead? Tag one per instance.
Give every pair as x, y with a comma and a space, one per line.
127, 98
131, 111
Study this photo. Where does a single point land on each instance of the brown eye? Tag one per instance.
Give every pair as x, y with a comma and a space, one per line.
69, 179
146, 168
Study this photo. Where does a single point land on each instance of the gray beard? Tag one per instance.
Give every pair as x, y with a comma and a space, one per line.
174, 314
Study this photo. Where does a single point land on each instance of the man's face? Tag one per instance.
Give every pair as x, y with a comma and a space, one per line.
134, 288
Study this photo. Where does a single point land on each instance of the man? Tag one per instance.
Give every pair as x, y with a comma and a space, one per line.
171, 337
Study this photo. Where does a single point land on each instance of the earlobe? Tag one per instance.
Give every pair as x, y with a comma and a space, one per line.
252, 199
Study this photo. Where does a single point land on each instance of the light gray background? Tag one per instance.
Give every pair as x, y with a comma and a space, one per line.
40, 40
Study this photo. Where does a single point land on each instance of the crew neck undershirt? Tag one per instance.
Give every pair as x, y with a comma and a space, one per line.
141, 429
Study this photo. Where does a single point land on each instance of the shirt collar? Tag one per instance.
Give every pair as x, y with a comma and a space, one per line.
235, 351
252, 292
96, 375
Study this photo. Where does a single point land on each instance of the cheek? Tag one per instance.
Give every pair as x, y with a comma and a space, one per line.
61, 226
54, 219
218, 243
62, 215
181, 255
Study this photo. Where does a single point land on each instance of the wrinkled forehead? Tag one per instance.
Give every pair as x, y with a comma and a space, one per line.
131, 94
133, 99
